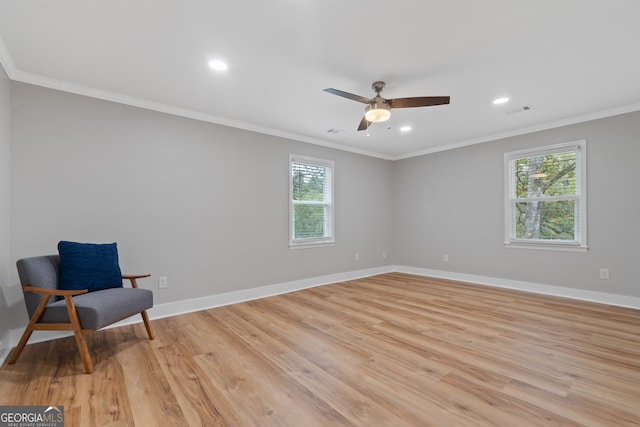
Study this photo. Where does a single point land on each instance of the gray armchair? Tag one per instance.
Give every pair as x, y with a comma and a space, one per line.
80, 311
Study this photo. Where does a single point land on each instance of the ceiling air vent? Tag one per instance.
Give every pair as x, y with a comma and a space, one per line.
334, 131
520, 109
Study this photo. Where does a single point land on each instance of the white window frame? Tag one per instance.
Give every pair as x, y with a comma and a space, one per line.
580, 242
328, 203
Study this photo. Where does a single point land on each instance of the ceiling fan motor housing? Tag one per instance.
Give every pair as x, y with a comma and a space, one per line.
377, 86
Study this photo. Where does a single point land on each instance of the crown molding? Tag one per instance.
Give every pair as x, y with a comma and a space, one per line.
50, 83
20, 76
6, 60
526, 130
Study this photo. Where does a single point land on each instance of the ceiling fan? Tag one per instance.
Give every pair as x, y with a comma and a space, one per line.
378, 109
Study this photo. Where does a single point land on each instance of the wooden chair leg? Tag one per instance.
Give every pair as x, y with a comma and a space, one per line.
13, 358
145, 316
147, 324
29, 330
77, 331
84, 352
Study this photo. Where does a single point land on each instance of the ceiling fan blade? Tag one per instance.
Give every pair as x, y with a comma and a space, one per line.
364, 124
348, 95
421, 101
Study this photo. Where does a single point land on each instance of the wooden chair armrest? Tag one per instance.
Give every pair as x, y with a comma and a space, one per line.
135, 276
55, 292
132, 278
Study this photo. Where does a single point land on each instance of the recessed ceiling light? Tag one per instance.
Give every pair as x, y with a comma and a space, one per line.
218, 65
405, 128
499, 101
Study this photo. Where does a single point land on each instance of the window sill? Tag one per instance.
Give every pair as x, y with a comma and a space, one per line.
307, 245
546, 247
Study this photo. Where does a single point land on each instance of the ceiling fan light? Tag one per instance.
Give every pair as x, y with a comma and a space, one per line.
375, 113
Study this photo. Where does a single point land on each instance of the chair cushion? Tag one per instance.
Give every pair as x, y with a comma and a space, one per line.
89, 266
101, 308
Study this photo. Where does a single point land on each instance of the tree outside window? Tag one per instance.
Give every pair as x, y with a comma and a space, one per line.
545, 195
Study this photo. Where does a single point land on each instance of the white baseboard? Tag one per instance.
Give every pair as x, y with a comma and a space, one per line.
196, 304
218, 300
559, 291
227, 298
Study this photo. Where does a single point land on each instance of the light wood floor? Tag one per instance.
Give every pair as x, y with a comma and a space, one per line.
391, 350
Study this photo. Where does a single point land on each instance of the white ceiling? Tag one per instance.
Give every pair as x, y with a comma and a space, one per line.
569, 60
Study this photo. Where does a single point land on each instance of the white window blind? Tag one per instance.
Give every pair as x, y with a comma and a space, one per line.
311, 201
545, 202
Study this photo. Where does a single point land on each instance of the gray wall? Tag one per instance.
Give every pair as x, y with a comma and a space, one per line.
207, 205
5, 220
453, 202
203, 204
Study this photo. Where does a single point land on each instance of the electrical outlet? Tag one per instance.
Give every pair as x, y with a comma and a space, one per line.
384, 254
163, 282
445, 258
357, 256
604, 273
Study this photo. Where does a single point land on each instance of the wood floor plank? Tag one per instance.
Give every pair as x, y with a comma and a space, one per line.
389, 350
149, 394
270, 397
318, 360
197, 398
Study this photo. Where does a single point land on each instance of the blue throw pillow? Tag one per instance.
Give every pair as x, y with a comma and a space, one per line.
89, 266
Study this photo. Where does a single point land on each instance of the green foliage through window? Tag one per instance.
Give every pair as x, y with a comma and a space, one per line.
545, 194
311, 199
539, 178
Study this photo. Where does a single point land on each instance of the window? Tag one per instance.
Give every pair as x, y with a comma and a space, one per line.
311, 201
546, 197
